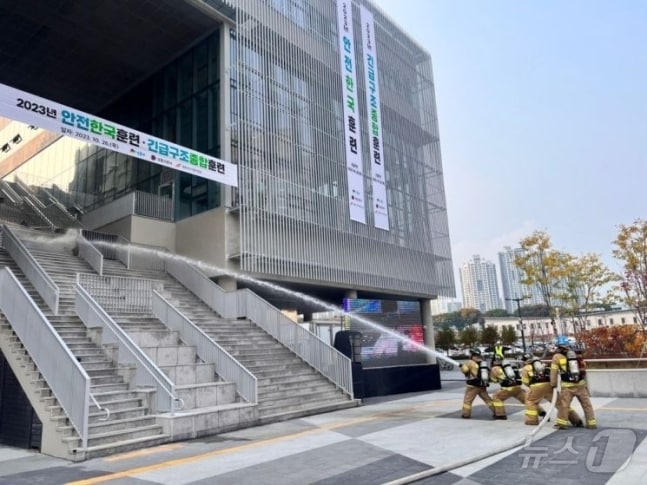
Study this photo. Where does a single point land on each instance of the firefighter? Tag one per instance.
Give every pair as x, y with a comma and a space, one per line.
509, 378
572, 372
535, 375
477, 376
498, 349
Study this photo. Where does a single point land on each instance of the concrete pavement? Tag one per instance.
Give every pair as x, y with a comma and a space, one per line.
384, 441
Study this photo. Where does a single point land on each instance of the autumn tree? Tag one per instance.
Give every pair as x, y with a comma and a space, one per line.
446, 339
469, 336
585, 278
470, 315
489, 335
543, 267
508, 335
631, 251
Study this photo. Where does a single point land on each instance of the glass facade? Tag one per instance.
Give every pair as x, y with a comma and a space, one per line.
282, 123
294, 209
180, 103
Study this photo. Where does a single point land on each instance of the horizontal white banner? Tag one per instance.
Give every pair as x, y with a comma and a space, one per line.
34, 110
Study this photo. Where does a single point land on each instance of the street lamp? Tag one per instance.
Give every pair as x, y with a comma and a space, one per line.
523, 336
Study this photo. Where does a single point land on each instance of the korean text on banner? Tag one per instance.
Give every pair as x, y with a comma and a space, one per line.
374, 119
34, 110
352, 138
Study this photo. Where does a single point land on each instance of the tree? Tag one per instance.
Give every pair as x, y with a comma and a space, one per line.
446, 338
508, 335
584, 279
489, 335
447, 320
543, 267
540, 310
469, 336
631, 250
497, 312
470, 315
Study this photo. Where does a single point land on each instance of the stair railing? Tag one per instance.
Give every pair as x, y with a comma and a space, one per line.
148, 374
226, 365
67, 379
246, 304
10, 192
90, 253
37, 276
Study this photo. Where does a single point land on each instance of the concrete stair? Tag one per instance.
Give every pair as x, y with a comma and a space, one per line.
288, 387
206, 400
108, 386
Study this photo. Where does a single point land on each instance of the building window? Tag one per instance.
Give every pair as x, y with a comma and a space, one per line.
610, 321
622, 320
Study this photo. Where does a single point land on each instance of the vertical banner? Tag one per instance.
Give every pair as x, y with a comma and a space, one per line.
380, 212
352, 139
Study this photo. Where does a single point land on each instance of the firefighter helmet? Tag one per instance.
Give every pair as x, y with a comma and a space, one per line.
526, 357
476, 352
562, 341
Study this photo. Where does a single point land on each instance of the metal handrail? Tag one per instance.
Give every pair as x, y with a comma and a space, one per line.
227, 366
246, 304
148, 373
65, 376
90, 253
37, 276
100, 408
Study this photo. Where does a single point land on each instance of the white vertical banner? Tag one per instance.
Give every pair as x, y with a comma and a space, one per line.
352, 138
374, 118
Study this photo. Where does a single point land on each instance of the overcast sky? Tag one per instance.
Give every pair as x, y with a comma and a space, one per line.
542, 108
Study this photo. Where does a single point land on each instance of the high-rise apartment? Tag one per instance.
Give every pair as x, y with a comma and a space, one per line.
511, 280
479, 284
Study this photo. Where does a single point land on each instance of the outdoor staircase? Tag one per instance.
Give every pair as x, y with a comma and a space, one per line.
130, 425
209, 405
287, 386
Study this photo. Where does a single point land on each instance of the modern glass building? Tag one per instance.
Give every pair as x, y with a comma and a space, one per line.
326, 107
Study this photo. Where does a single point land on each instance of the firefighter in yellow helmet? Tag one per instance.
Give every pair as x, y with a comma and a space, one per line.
477, 376
535, 375
509, 378
572, 372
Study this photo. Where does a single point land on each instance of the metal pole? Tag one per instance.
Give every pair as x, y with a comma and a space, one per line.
523, 336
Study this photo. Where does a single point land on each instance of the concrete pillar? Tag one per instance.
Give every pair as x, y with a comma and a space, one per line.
227, 283
428, 327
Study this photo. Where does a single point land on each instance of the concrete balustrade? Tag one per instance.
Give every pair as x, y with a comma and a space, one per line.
617, 382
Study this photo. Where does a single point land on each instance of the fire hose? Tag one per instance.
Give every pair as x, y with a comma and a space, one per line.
525, 441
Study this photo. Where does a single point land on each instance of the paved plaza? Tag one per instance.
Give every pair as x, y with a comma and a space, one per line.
392, 440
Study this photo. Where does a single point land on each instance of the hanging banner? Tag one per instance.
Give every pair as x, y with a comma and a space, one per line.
374, 118
34, 110
352, 139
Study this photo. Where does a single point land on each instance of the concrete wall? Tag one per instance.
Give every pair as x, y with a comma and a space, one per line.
143, 230
153, 232
202, 237
617, 382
